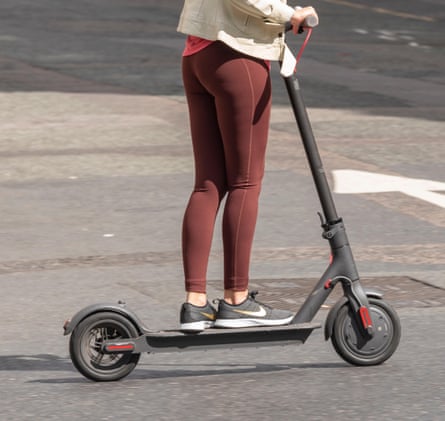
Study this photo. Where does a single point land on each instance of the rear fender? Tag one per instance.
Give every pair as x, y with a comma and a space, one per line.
332, 315
120, 308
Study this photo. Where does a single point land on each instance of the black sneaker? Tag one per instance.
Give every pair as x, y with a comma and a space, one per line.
196, 319
250, 313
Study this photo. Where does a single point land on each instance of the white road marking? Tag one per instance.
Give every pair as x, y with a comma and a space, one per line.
360, 182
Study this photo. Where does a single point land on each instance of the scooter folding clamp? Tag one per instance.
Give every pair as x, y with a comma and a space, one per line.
330, 230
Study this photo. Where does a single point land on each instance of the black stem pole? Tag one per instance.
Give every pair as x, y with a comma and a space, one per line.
313, 155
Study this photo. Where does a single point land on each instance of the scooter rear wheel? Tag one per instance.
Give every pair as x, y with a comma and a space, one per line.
356, 347
86, 347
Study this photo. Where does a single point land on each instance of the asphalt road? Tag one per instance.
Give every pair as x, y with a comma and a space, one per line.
95, 172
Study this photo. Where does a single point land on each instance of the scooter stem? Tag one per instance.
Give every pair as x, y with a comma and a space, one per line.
313, 156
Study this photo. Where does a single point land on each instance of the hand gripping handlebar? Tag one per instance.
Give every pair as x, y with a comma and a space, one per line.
310, 21
288, 62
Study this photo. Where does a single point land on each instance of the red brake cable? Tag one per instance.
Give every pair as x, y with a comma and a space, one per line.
303, 46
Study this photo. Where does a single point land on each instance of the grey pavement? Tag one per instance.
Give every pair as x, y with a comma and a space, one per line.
95, 171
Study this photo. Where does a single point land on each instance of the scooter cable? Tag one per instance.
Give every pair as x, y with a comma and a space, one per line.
303, 46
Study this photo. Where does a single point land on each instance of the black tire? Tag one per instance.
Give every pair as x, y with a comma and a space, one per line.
86, 347
355, 347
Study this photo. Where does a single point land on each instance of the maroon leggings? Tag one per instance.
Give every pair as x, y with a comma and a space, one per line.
229, 99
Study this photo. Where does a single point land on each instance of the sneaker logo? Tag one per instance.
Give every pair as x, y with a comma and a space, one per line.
260, 313
208, 315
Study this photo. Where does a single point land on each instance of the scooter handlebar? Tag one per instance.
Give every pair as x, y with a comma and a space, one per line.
311, 21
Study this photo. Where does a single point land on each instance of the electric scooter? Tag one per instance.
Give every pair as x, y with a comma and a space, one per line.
107, 339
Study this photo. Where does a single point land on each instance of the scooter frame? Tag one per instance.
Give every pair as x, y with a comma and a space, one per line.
367, 327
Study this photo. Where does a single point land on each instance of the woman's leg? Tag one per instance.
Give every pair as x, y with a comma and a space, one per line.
241, 86
210, 182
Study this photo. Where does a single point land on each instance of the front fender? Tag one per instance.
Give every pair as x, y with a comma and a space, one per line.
119, 308
332, 315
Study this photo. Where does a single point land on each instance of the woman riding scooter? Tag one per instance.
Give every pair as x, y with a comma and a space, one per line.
226, 78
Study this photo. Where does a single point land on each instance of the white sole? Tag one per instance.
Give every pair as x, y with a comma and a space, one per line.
237, 323
196, 326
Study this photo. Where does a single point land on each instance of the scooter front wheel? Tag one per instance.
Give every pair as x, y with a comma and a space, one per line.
356, 347
86, 347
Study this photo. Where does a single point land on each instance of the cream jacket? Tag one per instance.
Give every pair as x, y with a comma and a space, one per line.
253, 27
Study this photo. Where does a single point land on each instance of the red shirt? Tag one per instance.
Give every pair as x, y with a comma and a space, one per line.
195, 44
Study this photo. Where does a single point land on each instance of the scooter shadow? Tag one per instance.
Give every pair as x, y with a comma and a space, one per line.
38, 362
196, 370
151, 371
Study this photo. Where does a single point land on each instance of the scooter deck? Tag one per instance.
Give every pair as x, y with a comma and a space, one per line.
175, 340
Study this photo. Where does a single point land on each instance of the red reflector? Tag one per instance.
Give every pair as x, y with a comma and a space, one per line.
119, 347
327, 284
366, 318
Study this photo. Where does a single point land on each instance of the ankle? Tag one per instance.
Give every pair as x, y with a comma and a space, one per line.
235, 297
198, 299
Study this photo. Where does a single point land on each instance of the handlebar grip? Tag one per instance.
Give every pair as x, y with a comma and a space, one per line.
310, 22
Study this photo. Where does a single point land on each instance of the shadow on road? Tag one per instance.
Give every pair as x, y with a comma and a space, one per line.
56, 363
39, 362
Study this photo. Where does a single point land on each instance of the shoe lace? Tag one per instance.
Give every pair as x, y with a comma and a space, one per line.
253, 295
